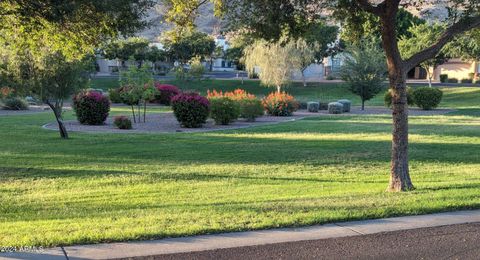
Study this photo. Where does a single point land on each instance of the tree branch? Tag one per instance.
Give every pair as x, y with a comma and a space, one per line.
368, 7
461, 26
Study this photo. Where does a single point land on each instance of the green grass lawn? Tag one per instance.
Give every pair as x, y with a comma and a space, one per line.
458, 97
106, 187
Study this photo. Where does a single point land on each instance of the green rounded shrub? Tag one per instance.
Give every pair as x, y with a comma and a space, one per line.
114, 94
443, 78
347, 104
335, 108
224, 110
122, 122
427, 98
250, 108
388, 97
313, 107
15, 103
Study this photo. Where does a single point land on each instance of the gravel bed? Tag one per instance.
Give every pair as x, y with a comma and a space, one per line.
166, 122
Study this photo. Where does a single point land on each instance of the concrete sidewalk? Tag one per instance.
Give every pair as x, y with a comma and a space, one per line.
250, 238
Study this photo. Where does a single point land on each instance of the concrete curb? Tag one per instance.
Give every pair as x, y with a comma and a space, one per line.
249, 238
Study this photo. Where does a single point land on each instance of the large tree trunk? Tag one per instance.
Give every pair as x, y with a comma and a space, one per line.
397, 67
58, 116
399, 175
397, 74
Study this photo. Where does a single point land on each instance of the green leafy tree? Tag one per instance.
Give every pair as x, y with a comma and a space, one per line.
422, 36
363, 25
135, 48
46, 40
303, 55
466, 47
274, 61
137, 83
238, 41
154, 55
364, 70
190, 44
197, 69
323, 37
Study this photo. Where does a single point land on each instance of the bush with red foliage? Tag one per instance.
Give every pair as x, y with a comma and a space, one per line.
165, 93
190, 109
91, 107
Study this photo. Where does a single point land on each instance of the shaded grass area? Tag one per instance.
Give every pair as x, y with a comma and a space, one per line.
455, 97
105, 187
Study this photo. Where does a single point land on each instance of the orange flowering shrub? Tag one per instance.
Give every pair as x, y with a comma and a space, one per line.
250, 106
6, 92
237, 94
280, 104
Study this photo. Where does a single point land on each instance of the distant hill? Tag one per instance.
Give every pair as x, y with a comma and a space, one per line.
208, 23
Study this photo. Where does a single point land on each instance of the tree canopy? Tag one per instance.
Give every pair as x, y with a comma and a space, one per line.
421, 37
188, 45
361, 25
364, 69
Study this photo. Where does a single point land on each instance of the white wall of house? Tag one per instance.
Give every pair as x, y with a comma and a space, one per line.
106, 67
312, 72
457, 68
221, 64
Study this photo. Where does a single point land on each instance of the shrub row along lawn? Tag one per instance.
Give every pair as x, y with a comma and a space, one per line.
115, 187
458, 97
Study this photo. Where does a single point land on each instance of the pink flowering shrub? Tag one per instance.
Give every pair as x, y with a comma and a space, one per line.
91, 107
122, 122
190, 109
165, 93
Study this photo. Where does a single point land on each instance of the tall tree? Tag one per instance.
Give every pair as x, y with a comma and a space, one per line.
273, 61
135, 48
303, 55
386, 11
364, 70
421, 37
187, 45
324, 37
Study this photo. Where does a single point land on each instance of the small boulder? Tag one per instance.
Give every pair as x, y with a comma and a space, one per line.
335, 108
313, 107
347, 104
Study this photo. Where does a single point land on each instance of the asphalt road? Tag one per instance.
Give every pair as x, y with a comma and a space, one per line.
448, 242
